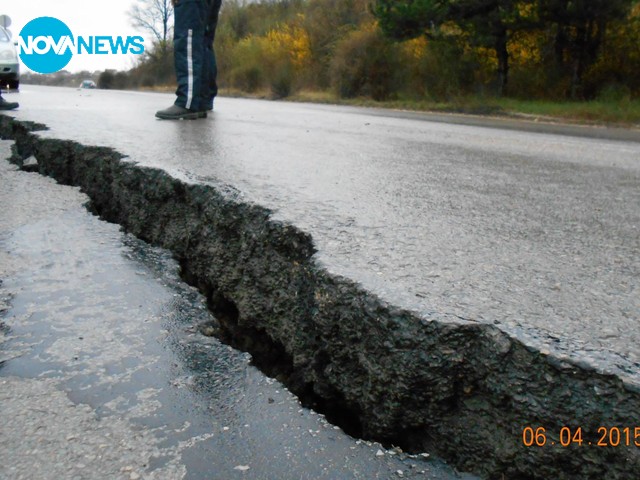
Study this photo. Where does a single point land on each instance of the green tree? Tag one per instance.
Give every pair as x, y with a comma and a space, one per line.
615, 73
405, 19
580, 27
491, 24
487, 23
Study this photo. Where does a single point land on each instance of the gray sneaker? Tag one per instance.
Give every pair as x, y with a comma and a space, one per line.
4, 105
174, 112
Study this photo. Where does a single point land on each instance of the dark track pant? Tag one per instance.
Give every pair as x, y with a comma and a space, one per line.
195, 61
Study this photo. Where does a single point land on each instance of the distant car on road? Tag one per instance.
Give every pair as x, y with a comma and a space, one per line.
9, 64
88, 84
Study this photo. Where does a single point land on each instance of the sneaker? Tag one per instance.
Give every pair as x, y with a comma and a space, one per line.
175, 112
4, 105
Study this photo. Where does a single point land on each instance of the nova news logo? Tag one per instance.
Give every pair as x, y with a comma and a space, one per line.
46, 45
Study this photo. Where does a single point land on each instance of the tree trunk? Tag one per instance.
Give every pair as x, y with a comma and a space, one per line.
559, 47
503, 62
580, 54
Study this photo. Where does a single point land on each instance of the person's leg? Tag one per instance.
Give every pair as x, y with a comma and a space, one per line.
189, 29
210, 86
189, 55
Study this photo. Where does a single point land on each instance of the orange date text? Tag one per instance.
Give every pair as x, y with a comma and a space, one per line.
533, 436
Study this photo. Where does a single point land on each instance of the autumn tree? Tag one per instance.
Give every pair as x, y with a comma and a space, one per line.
328, 22
487, 23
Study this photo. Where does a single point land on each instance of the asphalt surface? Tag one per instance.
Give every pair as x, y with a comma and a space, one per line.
534, 231
103, 374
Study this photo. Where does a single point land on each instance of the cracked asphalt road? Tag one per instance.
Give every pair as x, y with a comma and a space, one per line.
533, 228
103, 374
535, 232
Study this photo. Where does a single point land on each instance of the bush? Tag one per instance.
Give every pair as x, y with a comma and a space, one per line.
279, 60
288, 57
365, 63
247, 68
444, 70
106, 79
615, 93
326, 22
282, 78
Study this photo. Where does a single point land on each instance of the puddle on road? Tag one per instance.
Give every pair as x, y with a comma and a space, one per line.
108, 319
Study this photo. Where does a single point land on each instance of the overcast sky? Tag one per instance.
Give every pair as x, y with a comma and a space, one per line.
85, 18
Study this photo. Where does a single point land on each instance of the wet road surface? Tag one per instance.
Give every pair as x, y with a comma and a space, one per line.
535, 232
103, 373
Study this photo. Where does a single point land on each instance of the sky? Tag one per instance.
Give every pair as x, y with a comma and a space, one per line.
83, 18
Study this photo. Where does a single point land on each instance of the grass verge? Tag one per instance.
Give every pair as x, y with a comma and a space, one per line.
597, 112
620, 113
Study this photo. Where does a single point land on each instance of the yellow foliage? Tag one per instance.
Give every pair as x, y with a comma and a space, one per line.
452, 28
524, 48
416, 48
527, 10
292, 40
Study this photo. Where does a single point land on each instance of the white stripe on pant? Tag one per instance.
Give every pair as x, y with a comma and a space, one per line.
190, 69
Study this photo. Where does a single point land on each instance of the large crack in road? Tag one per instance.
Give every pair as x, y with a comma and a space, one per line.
103, 373
464, 390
